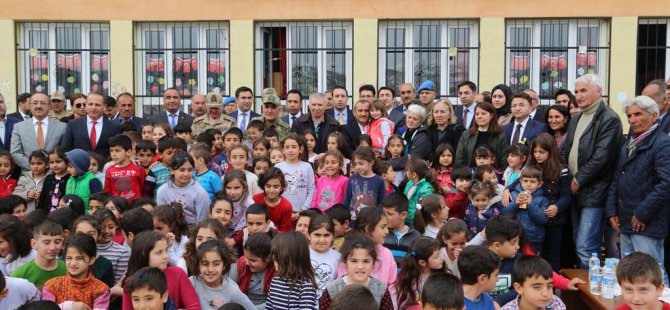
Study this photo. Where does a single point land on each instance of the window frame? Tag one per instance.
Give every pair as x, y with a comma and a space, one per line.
152, 104
445, 38
536, 48
654, 21
23, 32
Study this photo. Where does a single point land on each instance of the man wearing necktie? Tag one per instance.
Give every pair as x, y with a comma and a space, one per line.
523, 129
467, 92
293, 107
22, 108
244, 97
173, 114
341, 111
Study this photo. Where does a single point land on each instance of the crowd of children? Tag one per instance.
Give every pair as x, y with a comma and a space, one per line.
225, 220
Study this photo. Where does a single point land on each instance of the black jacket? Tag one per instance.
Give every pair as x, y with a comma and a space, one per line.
352, 132
420, 145
598, 151
48, 188
452, 135
327, 126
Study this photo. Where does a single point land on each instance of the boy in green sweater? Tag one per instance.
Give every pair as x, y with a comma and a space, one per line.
47, 241
82, 182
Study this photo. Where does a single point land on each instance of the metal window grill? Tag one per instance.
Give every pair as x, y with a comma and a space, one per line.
192, 57
653, 51
63, 56
443, 51
309, 56
549, 54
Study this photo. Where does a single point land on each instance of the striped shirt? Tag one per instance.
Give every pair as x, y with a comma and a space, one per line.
282, 296
118, 255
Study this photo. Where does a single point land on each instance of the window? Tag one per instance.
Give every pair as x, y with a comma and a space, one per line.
66, 57
653, 51
308, 56
189, 56
444, 51
547, 55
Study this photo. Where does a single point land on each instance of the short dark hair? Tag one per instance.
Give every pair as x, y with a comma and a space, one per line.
531, 173
397, 201
150, 278
339, 213
213, 131
258, 209
443, 291
206, 138
341, 87
121, 140
563, 91
182, 127
270, 132
271, 173
258, 124
294, 91
136, 221
367, 87
639, 267
23, 97
169, 143
40, 305
233, 131
469, 84
502, 229
242, 89
64, 217
386, 88
109, 101
259, 245
461, 172
531, 266
523, 96
49, 228
145, 145
354, 296
475, 261
84, 243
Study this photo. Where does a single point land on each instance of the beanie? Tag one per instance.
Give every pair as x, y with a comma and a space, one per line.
79, 160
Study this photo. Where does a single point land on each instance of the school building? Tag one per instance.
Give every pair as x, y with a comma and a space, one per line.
198, 46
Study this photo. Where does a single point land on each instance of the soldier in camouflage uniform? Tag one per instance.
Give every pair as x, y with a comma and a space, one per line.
271, 113
214, 118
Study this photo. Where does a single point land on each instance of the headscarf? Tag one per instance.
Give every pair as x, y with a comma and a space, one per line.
506, 109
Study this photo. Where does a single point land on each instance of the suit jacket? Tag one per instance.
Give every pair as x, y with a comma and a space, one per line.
352, 132
664, 123
252, 114
328, 126
541, 113
532, 130
76, 136
181, 118
398, 116
287, 119
7, 139
24, 140
350, 115
17, 116
135, 120
458, 109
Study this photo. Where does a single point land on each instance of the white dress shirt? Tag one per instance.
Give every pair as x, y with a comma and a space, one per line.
3, 125
522, 129
290, 118
45, 127
24, 116
470, 115
98, 128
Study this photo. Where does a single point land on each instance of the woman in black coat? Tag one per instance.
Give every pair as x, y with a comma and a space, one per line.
417, 141
444, 128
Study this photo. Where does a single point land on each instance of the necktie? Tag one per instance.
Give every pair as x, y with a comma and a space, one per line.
173, 120
40, 135
292, 120
243, 123
517, 133
26, 117
340, 118
465, 118
94, 135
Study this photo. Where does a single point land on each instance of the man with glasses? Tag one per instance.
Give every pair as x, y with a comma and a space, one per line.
39, 132
524, 129
538, 111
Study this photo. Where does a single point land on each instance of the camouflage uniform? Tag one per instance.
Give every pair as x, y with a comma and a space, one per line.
280, 126
202, 123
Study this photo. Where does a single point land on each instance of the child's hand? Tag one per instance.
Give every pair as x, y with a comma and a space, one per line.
506, 198
170, 239
294, 216
572, 285
33, 194
78, 305
446, 189
457, 252
230, 242
551, 211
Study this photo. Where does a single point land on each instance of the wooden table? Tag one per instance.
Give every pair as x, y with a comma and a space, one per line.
583, 299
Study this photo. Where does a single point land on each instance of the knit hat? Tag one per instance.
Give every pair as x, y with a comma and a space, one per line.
79, 160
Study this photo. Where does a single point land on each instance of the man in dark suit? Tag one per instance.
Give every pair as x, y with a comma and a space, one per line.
467, 92
657, 91
340, 111
6, 126
524, 129
244, 97
91, 133
318, 121
173, 114
126, 106
293, 107
358, 126
538, 111
22, 108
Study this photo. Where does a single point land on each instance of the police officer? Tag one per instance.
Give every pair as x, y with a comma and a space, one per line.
214, 118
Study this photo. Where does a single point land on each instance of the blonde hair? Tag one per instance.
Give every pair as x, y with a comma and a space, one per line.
452, 114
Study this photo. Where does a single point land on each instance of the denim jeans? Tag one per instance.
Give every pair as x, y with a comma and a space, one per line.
588, 233
638, 243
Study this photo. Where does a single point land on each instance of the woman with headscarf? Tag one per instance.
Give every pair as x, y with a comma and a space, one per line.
501, 98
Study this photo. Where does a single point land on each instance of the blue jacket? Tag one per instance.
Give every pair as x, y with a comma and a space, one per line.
532, 218
532, 130
476, 224
6, 141
640, 186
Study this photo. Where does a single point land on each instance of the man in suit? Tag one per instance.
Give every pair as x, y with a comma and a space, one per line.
6, 126
293, 107
126, 107
657, 91
39, 132
244, 97
111, 109
91, 133
465, 113
538, 111
173, 114
318, 121
407, 97
358, 126
22, 108
524, 129
340, 111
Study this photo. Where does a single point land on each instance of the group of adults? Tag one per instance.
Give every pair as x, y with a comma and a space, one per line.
623, 181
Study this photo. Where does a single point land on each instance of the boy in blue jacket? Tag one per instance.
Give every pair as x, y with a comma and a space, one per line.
528, 205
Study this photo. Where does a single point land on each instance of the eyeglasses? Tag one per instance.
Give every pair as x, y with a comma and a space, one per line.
79, 105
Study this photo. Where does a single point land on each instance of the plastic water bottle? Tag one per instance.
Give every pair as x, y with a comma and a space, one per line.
595, 277
609, 280
617, 287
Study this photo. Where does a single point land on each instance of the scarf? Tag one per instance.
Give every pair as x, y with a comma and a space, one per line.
634, 141
244, 275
